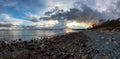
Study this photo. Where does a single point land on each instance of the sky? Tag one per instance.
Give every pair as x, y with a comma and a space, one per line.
42, 12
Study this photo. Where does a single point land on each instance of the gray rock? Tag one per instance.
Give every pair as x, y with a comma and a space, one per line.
102, 37
107, 42
97, 56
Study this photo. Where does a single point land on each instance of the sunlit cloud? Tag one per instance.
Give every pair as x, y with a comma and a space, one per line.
32, 17
79, 25
7, 19
45, 23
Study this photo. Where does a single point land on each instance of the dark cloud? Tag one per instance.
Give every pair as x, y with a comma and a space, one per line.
45, 18
81, 11
84, 13
118, 4
118, 8
5, 25
33, 19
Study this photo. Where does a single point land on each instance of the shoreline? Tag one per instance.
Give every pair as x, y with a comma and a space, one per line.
76, 45
56, 47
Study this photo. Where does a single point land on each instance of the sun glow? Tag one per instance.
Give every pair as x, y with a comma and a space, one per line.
46, 23
79, 25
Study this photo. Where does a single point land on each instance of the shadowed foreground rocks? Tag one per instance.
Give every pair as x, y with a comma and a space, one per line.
76, 45
68, 46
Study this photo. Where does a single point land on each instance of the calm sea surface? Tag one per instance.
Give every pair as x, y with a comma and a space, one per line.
28, 34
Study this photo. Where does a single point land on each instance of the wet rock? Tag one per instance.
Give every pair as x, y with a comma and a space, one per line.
115, 58
115, 42
20, 39
58, 55
107, 57
66, 56
97, 56
107, 42
102, 37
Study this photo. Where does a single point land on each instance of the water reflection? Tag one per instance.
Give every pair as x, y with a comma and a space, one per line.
28, 34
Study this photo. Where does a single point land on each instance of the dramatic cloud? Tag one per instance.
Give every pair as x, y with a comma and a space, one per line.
5, 25
22, 12
87, 10
108, 8
82, 13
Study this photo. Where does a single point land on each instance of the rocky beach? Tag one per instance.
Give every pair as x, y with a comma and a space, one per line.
86, 44
59, 29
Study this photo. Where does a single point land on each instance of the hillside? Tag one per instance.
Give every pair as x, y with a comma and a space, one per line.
112, 25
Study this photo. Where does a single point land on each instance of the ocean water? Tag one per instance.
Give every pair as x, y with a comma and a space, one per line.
29, 34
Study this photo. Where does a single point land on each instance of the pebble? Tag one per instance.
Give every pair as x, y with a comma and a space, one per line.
107, 42
113, 38
115, 42
110, 40
115, 58
107, 57
97, 56
102, 37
